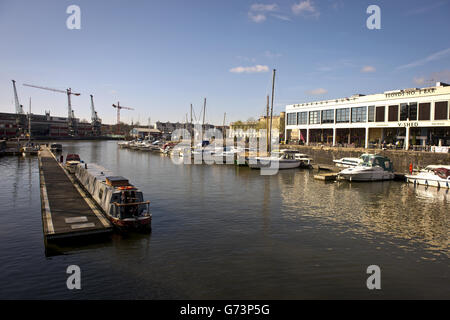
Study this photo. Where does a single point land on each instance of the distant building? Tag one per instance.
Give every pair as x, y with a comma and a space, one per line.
169, 127
247, 129
43, 126
143, 133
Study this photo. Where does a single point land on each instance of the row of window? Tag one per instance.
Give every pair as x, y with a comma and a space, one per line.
403, 112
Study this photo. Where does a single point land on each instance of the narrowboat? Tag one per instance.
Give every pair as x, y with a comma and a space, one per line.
122, 202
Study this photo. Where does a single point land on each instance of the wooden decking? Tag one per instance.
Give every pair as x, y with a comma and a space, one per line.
67, 211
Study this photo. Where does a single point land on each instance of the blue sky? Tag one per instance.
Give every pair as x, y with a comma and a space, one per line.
160, 56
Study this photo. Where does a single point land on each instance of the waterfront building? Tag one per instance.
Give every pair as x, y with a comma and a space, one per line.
250, 128
169, 127
143, 133
44, 126
416, 118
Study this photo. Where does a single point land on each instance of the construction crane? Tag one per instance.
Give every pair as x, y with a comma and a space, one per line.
19, 107
95, 120
118, 107
70, 114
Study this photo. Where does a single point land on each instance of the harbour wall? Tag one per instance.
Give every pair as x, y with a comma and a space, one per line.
400, 158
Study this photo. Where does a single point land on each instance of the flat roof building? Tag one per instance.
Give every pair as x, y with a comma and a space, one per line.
415, 118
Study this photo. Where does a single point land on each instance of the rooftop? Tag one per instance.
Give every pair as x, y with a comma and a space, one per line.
400, 93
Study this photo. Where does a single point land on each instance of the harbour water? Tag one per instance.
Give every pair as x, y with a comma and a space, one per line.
226, 232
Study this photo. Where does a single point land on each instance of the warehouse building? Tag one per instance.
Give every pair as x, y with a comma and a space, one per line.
416, 118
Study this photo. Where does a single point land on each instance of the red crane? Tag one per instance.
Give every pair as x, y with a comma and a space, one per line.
118, 107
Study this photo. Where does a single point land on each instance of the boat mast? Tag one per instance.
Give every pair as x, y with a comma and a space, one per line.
271, 110
203, 122
29, 123
224, 136
267, 125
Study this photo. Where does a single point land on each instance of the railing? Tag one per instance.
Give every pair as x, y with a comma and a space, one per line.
130, 204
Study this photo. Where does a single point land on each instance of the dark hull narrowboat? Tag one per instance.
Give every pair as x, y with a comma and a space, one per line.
122, 202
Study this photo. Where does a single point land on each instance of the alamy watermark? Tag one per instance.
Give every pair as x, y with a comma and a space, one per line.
210, 147
374, 20
74, 20
374, 280
74, 280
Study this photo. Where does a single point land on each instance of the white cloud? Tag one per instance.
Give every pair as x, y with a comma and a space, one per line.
263, 7
367, 69
252, 69
272, 55
432, 57
281, 17
419, 80
306, 8
317, 92
257, 17
258, 12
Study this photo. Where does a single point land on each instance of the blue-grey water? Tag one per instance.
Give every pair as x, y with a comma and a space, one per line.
224, 232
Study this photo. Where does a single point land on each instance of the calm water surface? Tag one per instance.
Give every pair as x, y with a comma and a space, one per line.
222, 232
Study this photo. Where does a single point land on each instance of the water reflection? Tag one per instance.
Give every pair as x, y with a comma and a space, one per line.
219, 229
393, 208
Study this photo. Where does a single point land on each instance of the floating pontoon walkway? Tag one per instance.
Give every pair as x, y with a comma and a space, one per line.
67, 211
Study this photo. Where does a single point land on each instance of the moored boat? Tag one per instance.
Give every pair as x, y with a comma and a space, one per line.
349, 162
56, 147
30, 149
374, 168
433, 175
122, 202
305, 160
72, 160
283, 159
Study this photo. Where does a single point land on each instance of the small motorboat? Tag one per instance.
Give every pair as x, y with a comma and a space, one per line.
30, 149
56, 147
283, 159
72, 161
374, 168
226, 155
349, 162
306, 161
124, 144
433, 175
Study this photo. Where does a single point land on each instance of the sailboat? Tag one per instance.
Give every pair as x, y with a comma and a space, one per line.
283, 159
29, 148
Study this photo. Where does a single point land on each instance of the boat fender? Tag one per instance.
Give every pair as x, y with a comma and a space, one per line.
415, 183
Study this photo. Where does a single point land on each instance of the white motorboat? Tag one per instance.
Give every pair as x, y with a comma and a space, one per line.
30, 149
305, 160
433, 175
226, 155
283, 159
56, 147
349, 162
144, 146
72, 161
124, 144
374, 168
